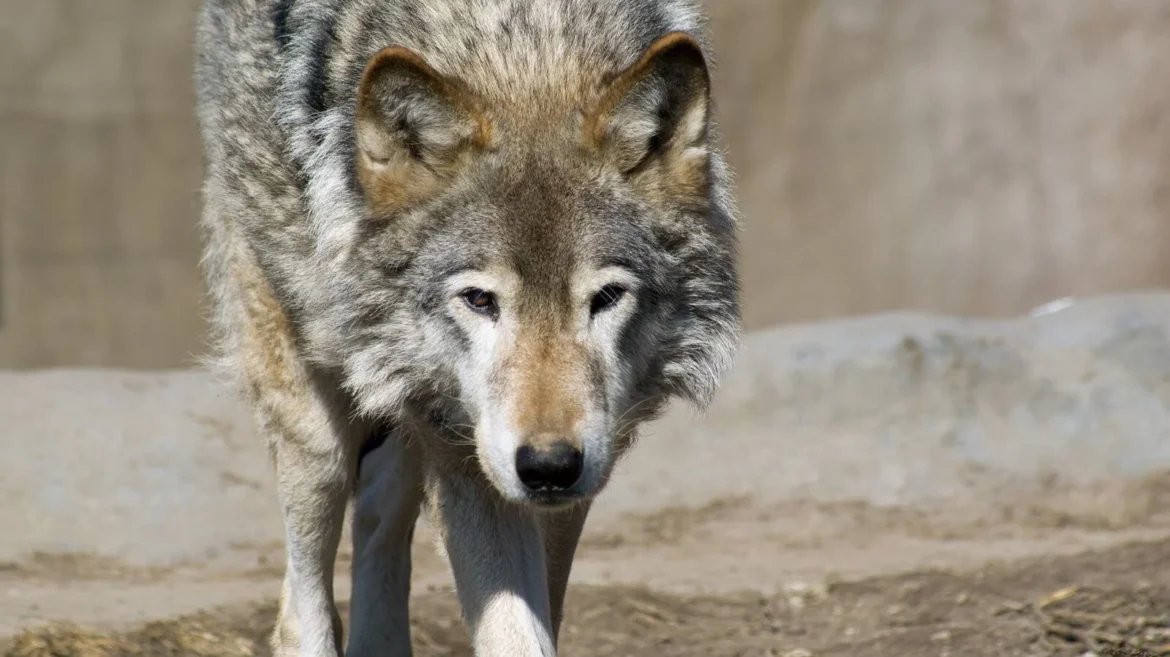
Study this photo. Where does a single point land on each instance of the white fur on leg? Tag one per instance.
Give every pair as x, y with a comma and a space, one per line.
389, 493
309, 616
313, 479
497, 556
508, 624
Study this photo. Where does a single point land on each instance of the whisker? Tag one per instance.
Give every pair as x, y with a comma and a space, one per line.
627, 413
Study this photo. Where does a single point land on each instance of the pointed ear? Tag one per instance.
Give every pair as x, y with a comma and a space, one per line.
414, 127
655, 112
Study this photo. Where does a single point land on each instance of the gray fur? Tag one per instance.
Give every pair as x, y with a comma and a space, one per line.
328, 315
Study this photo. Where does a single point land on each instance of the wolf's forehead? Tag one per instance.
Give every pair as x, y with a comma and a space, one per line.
540, 221
553, 218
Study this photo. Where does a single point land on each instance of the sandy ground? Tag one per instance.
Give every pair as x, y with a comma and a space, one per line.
897, 485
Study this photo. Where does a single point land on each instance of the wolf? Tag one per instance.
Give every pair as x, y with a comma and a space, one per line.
457, 252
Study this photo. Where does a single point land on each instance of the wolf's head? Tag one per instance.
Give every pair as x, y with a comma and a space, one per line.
543, 272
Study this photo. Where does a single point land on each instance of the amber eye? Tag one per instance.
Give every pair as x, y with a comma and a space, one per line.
480, 301
606, 298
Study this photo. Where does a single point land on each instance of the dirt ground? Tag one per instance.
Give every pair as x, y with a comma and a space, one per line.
1107, 602
829, 580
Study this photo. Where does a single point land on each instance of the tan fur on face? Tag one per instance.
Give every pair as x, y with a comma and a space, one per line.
549, 387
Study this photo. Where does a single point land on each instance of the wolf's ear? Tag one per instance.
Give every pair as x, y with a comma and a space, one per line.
655, 112
413, 125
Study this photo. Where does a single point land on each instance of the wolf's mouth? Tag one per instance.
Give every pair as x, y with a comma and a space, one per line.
555, 499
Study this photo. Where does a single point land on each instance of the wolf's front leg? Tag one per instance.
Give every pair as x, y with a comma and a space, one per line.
312, 439
312, 481
389, 492
497, 557
562, 531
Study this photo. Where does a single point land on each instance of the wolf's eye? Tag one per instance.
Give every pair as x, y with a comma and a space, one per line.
480, 301
606, 298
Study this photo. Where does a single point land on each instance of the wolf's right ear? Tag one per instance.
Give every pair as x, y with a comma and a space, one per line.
414, 126
652, 116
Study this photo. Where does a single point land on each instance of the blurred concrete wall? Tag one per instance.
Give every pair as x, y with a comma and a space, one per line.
963, 156
99, 181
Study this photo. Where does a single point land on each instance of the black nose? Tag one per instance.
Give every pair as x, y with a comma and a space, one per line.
556, 466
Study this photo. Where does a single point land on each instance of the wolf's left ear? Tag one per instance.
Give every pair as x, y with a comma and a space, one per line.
655, 111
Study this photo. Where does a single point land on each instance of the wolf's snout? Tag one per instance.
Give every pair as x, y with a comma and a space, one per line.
552, 466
